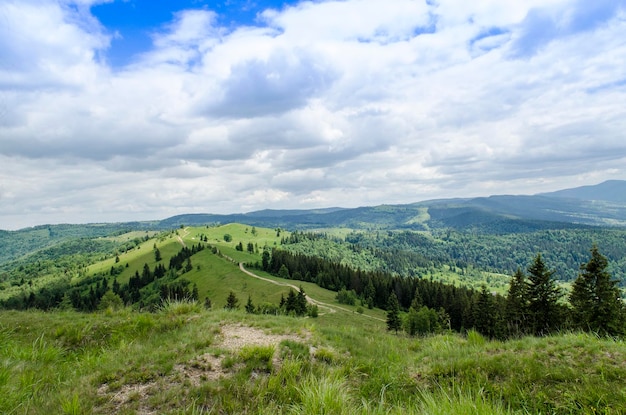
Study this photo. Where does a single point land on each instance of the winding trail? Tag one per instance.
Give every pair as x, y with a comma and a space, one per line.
331, 308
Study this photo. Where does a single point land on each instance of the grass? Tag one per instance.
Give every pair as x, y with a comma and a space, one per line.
128, 362
174, 361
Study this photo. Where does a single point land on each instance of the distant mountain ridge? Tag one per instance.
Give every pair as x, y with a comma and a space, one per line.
600, 205
610, 191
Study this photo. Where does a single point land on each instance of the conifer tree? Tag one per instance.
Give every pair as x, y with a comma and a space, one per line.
516, 306
249, 306
232, 302
595, 298
300, 306
485, 313
393, 313
543, 296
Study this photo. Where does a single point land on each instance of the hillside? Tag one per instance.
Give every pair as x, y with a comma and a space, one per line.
167, 355
185, 360
609, 191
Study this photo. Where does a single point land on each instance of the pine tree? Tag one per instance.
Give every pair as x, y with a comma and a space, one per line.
300, 306
393, 313
232, 302
516, 306
157, 254
265, 260
249, 306
485, 313
595, 298
543, 297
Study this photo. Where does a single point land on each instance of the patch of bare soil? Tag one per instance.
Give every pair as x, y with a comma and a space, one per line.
233, 337
202, 368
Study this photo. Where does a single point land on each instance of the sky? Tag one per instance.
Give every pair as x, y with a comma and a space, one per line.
114, 111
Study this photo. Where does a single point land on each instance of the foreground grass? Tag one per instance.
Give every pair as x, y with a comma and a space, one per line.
176, 361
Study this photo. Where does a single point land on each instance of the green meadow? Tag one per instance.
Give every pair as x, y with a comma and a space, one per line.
186, 359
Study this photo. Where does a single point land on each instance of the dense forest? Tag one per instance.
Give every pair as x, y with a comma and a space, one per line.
534, 303
410, 253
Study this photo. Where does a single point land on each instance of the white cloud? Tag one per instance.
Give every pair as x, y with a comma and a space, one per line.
338, 103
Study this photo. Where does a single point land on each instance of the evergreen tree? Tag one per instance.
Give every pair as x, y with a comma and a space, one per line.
543, 296
249, 306
300, 306
393, 313
232, 302
485, 313
265, 260
283, 272
595, 298
516, 306
157, 254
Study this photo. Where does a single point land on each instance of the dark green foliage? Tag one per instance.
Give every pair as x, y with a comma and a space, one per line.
374, 288
250, 309
157, 254
410, 253
346, 297
543, 297
485, 313
394, 323
227, 237
232, 302
283, 271
265, 260
295, 303
421, 321
516, 306
52, 241
595, 298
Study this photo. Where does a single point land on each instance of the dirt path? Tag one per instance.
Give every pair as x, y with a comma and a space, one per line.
331, 308
180, 239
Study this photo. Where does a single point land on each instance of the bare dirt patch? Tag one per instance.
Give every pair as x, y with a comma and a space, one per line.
233, 337
202, 368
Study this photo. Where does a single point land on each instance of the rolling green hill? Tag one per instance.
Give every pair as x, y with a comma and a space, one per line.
180, 358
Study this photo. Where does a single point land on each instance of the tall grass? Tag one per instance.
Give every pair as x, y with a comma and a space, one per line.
128, 362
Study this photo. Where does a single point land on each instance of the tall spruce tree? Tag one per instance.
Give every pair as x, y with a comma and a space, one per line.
516, 306
232, 302
543, 296
485, 313
393, 313
595, 298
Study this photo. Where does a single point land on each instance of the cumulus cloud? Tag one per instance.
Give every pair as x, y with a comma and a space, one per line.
335, 103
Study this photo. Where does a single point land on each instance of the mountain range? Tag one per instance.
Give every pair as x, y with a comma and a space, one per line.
603, 204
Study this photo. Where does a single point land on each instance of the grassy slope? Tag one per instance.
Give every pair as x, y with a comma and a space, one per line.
127, 362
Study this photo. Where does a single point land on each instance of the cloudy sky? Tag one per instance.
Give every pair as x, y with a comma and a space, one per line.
143, 109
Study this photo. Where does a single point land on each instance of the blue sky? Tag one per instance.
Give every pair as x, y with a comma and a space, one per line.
133, 22
138, 110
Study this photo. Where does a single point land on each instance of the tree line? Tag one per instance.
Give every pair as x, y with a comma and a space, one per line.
534, 304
